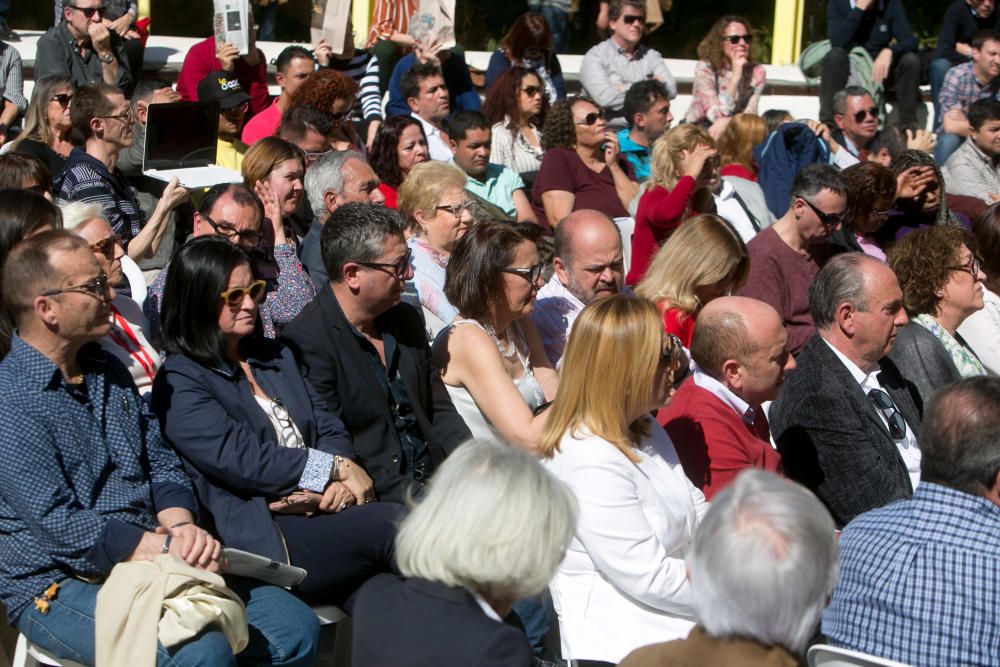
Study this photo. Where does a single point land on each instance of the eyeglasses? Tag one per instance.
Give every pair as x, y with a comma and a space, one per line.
860, 115
629, 19
312, 157
89, 11
62, 98
126, 116
531, 91
288, 437
398, 269
234, 297
672, 352
884, 213
591, 118
98, 287
736, 39
458, 209
250, 236
882, 401
828, 219
531, 275
106, 246
973, 267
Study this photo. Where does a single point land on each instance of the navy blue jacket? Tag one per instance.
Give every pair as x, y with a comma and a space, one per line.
873, 29
785, 151
227, 443
500, 64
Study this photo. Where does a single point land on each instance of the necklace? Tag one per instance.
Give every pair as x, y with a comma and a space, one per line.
507, 348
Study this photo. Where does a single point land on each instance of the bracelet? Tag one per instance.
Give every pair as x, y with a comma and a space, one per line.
335, 470
179, 524
166, 543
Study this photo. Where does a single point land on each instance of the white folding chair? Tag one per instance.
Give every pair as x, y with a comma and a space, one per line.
28, 655
824, 655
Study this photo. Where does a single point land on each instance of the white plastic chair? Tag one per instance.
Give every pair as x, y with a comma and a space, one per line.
28, 655
824, 655
626, 226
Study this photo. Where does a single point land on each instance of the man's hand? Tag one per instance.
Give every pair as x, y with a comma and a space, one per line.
100, 38
357, 481
122, 25
195, 546
427, 52
880, 68
164, 96
823, 132
920, 140
324, 52
863, 5
226, 54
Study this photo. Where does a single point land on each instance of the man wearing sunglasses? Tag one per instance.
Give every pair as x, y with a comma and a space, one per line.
89, 482
367, 353
786, 256
856, 118
610, 68
879, 27
83, 48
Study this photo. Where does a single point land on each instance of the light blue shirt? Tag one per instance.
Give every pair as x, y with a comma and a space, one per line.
497, 187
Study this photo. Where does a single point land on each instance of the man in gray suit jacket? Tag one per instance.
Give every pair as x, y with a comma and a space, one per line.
846, 422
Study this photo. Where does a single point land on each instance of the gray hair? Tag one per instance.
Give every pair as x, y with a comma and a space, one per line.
841, 280
324, 175
494, 522
763, 562
75, 213
958, 442
357, 232
840, 97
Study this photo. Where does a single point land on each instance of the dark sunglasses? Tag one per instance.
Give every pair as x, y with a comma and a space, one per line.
97, 287
62, 98
591, 118
234, 297
735, 39
882, 401
828, 219
629, 19
397, 269
89, 11
531, 275
106, 246
531, 91
860, 116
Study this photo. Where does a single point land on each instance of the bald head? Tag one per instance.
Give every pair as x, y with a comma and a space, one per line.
741, 343
588, 255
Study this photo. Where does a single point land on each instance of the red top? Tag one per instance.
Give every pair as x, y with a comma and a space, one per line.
200, 61
680, 324
734, 169
660, 212
390, 196
713, 442
264, 124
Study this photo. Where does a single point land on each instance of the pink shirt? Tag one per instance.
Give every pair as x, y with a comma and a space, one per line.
263, 124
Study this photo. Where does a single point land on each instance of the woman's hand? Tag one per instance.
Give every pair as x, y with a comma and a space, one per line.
336, 498
693, 161
914, 181
611, 148
736, 65
357, 481
299, 502
272, 210
227, 54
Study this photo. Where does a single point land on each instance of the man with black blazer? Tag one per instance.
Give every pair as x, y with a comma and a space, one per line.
366, 353
846, 422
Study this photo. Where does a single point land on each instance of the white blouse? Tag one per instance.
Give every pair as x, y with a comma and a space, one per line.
623, 582
981, 331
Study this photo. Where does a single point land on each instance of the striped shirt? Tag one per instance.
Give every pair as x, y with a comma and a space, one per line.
920, 581
85, 178
363, 68
511, 149
12, 77
390, 16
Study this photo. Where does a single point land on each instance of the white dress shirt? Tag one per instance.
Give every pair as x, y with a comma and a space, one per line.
907, 447
437, 147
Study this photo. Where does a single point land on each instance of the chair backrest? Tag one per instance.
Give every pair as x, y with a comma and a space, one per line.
824, 655
626, 226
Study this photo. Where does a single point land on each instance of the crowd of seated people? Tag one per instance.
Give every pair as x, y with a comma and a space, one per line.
489, 363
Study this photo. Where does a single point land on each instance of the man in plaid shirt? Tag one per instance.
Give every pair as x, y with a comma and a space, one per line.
920, 578
963, 85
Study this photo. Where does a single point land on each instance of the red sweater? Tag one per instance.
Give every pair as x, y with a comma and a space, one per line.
200, 61
713, 443
660, 212
680, 324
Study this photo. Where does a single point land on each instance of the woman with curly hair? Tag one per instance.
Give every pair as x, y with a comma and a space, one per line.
528, 44
726, 81
684, 171
871, 192
736, 144
942, 283
516, 106
332, 92
582, 167
400, 144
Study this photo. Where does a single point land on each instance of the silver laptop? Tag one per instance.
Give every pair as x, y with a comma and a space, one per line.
181, 141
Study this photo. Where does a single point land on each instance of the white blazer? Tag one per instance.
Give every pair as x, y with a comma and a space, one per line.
623, 581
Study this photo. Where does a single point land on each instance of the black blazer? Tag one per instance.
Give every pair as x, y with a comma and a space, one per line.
419, 623
332, 359
831, 437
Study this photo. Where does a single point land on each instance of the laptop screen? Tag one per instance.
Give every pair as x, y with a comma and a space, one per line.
181, 135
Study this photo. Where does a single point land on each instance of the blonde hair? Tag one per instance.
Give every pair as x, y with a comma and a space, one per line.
423, 188
668, 153
494, 521
737, 141
703, 251
617, 339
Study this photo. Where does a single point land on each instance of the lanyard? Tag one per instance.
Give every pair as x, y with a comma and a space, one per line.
131, 341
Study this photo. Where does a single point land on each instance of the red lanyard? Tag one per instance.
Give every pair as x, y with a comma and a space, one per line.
132, 341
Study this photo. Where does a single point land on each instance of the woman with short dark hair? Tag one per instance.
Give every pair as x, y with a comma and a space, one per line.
528, 44
400, 144
491, 358
271, 466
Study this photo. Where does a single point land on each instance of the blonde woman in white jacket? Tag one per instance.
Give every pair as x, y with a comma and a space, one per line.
622, 584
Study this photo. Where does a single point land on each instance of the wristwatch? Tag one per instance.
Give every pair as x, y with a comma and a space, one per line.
108, 58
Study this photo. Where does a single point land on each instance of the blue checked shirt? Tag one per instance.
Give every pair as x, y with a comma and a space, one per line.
84, 471
920, 581
960, 89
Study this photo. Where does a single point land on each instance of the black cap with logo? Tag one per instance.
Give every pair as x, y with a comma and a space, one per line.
222, 87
